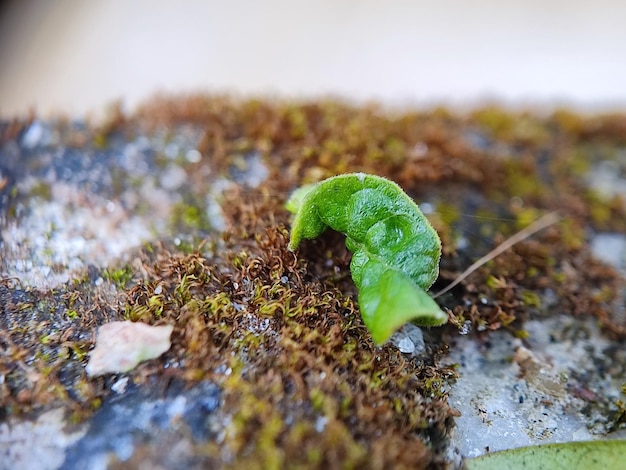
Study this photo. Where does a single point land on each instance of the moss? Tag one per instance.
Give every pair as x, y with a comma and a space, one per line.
187, 217
572, 234
521, 180
531, 299
599, 211
120, 277
190, 223
41, 190
288, 340
506, 126
71, 314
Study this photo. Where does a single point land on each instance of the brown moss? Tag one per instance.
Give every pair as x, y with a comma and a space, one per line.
285, 338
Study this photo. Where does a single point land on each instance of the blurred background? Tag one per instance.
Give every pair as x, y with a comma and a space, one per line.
74, 57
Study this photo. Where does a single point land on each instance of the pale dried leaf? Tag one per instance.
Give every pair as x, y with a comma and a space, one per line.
121, 345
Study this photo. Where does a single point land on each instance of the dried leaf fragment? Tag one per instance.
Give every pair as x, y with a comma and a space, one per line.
121, 345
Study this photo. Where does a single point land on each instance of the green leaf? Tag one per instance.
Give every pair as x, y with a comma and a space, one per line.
395, 249
604, 455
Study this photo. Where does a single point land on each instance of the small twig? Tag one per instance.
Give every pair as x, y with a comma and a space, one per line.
523, 234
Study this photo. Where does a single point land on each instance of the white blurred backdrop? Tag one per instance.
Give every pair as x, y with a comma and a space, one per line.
75, 56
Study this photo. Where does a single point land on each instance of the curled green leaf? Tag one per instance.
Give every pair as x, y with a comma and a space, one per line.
395, 249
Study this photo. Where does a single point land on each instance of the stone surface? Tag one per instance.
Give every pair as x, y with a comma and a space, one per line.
513, 395
163, 424
38, 444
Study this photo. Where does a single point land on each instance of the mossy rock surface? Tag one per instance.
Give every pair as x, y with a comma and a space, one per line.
175, 215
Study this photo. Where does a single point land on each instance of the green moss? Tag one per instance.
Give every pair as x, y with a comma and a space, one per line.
531, 299
190, 218
522, 334
600, 211
495, 120
573, 234
120, 277
494, 282
297, 121
448, 212
41, 190
79, 350
394, 149
579, 162
71, 314
511, 127
521, 180
48, 338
